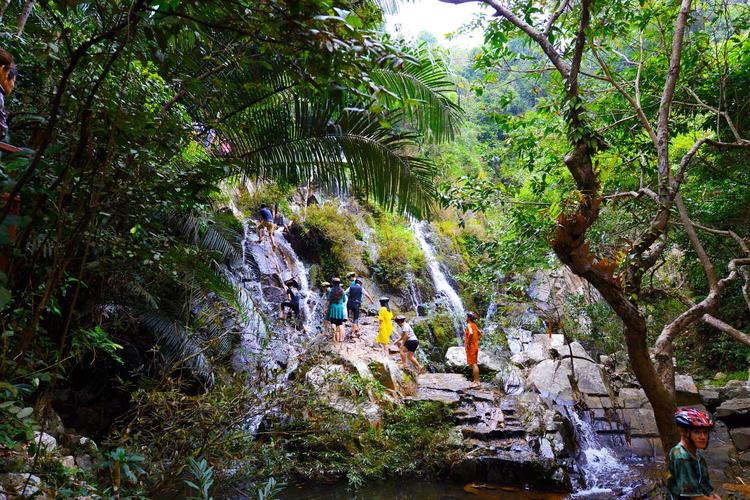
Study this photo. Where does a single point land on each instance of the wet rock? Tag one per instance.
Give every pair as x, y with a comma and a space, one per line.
686, 390
735, 412
513, 467
45, 441
13, 483
423, 310
741, 438
455, 359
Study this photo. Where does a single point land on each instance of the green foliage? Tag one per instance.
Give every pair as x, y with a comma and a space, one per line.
125, 467
94, 339
398, 253
722, 381
203, 476
17, 423
270, 194
411, 441
437, 332
329, 238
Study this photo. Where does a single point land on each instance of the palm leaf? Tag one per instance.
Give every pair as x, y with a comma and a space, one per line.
178, 344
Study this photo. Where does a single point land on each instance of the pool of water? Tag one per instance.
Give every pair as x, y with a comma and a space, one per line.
412, 490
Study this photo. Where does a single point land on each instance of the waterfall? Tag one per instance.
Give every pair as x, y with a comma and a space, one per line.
443, 288
603, 472
414, 295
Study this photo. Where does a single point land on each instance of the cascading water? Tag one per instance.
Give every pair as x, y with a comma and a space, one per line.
604, 473
443, 288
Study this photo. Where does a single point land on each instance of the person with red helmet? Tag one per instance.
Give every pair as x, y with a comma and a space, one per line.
688, 472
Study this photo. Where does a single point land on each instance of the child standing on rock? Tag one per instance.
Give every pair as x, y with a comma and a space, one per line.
386, 325
471, 344
407, 343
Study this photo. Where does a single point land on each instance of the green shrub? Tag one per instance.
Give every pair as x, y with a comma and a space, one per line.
721, 382
269, 194
329, 238
437, 333
398, 253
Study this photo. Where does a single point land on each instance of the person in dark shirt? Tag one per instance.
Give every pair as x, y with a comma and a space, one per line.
292, 303
266, 222
7, 84
355, 303
278, 219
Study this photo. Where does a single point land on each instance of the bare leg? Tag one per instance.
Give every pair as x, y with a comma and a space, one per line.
475, 373
342, 332
270, 235
414, 361
402, 352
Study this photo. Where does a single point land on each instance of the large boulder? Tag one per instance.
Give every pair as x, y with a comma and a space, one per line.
735, 412
741, 438
574, 350
551, 379
686, 391
735, 389
710, 398
633, 398
13, 484
455, 360
534, 354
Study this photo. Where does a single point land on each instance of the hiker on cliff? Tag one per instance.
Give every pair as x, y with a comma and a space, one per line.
688, 471
292, 302
407, 343
351, 276
8, 75
471, 344
337, 309
354, 303
278, 219
385, 316
266, 222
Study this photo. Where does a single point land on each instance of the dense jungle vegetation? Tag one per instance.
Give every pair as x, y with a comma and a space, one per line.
611, 137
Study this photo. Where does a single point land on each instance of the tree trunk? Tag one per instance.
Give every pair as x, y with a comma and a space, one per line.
25, 13
3, 6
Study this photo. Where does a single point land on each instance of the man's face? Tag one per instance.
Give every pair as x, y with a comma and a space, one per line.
700, 438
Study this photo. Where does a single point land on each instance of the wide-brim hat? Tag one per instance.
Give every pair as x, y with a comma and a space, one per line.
336, 280
400, 318
325, 283
351, 274
384, 299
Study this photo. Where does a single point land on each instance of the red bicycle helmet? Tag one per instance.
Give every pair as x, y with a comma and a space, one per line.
691, 417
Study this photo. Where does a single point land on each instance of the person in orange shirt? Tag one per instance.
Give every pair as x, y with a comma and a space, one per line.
471, 344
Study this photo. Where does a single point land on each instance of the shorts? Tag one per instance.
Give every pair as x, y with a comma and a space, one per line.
337, 321
353, 308
412, 345
294, 306
266, 224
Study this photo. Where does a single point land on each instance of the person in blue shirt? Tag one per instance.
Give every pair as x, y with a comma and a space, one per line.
266, 222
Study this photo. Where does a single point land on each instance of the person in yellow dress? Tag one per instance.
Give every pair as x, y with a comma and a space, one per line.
386, 324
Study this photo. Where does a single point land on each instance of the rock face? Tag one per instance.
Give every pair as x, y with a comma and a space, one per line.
735, 412
455, 360
13, 484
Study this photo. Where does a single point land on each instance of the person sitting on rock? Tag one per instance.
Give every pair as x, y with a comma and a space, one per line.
337, 309
385, 316
471, 344
266, 222
354, 303
688, 471
407, 343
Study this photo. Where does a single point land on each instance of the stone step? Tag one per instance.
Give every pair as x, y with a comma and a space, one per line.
486, 434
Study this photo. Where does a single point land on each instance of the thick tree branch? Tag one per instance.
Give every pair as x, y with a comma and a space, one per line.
737, 335
554, 16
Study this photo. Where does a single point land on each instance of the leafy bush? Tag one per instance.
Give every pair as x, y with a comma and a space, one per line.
328, 237
398, 253
436, 333
270, 194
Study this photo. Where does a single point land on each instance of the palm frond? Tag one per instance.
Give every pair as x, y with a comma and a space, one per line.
422, 89
197, 231
178, 344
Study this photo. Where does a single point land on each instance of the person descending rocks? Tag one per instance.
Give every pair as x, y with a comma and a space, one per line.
326, 287
278, 219
266, 222
407, 343
688, 471
292, 302
8, 75
337, 309
385, 316
471, 344
354, 303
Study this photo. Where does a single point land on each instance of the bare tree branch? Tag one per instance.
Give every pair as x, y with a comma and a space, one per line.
737, 335
555, 15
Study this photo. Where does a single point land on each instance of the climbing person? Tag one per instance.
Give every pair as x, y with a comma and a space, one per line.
337, 309
326, 287
471, 344
407, 343
351, 276
688, 471
278, 219
385, 316
292, 302
8, 75
354, 303
266, 222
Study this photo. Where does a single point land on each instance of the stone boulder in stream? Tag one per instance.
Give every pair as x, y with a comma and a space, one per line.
455, 360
